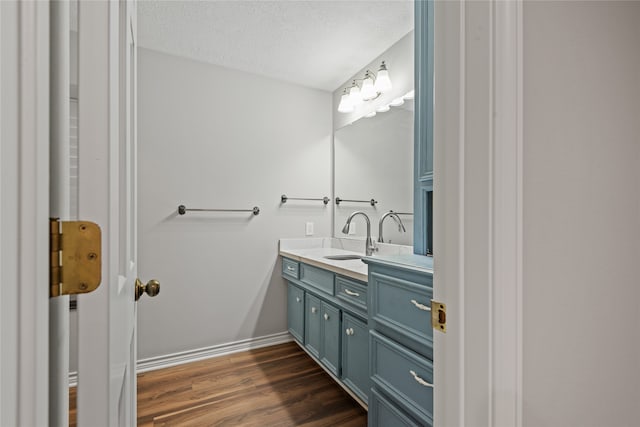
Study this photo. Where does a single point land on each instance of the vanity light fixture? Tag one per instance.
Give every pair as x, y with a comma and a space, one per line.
345, 105
370, 88
355, 97
383, 82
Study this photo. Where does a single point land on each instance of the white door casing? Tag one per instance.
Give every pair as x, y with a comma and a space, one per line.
478, 212
60, 185
24, 211
106, 195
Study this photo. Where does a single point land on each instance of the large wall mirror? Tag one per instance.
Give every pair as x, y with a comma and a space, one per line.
373, 158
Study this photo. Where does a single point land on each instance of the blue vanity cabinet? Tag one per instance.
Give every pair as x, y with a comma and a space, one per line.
295, 311
327, 315
355, 351
400, 340
313, 324
330, 349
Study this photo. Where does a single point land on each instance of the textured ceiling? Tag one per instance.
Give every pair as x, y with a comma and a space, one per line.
318, 44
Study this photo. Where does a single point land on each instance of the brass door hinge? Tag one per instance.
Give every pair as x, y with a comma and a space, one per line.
439, 316
76, 257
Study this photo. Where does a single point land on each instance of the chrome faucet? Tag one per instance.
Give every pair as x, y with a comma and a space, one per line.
369, 247
393, 215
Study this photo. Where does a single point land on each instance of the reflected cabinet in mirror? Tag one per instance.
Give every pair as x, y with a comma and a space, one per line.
373, 159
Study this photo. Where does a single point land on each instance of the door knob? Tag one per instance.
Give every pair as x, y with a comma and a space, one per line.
152, 288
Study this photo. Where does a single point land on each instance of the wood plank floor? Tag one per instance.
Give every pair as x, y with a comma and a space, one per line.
272, 386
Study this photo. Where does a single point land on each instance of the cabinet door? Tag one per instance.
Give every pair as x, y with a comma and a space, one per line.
331, 337
312, 337
295, 312
355, 355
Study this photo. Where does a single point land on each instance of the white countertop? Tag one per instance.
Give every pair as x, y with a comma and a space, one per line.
354, 268
313, 251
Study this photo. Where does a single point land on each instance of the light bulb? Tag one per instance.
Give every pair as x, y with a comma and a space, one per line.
345, 105
368, 90
383, 108
383, 82
397, 102
355, 97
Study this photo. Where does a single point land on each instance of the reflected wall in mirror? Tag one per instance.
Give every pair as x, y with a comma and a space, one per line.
373, 158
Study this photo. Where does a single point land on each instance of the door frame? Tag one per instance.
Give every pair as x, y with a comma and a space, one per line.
478, 212
24, 212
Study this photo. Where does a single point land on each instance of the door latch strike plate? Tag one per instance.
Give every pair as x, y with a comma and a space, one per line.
439, 316
76, 257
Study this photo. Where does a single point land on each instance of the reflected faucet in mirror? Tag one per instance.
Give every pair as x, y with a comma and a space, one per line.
369, 247
396, 218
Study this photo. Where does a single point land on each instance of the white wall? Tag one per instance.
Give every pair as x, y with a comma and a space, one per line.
210, 137
581, 214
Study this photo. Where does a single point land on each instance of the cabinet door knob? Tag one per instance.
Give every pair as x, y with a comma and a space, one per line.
326, 316
297, 299
313, 310
349, 331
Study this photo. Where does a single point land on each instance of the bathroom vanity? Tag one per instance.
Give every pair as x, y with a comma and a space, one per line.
366, 321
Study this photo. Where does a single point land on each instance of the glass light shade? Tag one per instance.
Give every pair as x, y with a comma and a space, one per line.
371, 114
368, 90
345, 105
410, 95
383, 82
397, 102
383, 108
355, 97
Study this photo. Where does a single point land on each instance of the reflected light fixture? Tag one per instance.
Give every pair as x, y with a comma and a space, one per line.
370, 88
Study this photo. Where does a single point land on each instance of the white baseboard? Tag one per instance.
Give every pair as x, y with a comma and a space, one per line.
180, 358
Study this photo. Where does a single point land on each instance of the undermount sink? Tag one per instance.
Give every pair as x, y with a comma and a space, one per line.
343, 257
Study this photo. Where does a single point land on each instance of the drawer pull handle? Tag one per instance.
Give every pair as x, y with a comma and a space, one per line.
420, 306
290, 268
420, 380
326, 316
313, 310
353, 294
297, 299
349, 331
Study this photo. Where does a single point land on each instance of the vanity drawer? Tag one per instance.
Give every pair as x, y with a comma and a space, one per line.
317, 278
401, 309
404, 376
290, 268
383, 413
352, 293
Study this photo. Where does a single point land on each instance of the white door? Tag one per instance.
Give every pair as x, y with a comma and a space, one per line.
107, 196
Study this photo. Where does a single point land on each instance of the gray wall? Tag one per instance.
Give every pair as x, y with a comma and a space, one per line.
582, 213
210, 137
